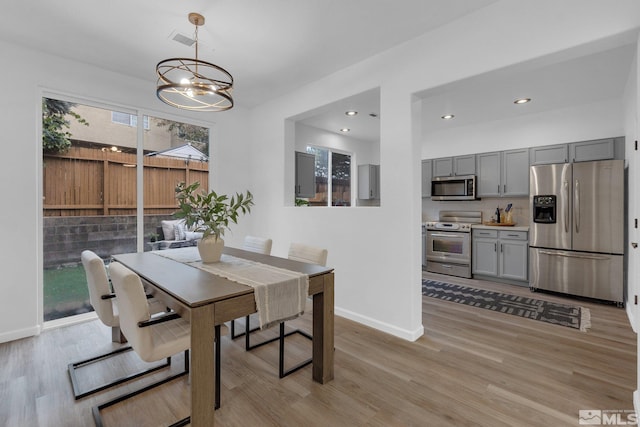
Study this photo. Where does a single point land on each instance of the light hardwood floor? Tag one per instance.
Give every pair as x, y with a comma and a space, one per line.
472, 367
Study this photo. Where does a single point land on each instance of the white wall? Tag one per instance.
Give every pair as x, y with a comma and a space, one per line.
30, 75
376, 252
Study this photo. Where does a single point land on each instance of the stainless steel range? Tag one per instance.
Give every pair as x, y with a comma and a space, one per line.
448, 242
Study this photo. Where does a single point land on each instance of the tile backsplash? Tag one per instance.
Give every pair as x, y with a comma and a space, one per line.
487, 205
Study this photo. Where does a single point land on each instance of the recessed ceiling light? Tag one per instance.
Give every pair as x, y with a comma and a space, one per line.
345, 130
351, 113
522, 100
447, 117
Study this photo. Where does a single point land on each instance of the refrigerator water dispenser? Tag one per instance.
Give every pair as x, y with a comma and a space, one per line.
544, 209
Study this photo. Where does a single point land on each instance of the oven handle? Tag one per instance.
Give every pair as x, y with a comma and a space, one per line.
454, 234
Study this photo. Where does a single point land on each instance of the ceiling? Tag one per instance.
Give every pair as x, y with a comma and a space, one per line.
270, 47
276, 46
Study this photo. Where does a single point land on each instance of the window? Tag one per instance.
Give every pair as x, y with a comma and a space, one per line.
90, 188
128, 119
333, 177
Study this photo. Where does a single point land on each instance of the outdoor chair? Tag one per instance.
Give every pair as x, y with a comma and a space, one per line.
105, 305
152, 338
262, 246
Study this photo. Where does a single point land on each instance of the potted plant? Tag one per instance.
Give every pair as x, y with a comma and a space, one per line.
211, 214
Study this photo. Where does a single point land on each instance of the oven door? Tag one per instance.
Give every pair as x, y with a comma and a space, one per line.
449, 246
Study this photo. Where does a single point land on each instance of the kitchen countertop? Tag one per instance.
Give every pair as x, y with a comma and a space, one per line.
501, 227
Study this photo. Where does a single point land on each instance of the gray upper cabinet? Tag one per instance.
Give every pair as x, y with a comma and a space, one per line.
368, 182
515, 173
503, 174
489, 176
305, 175
426, 178
464, 165
549, 154
455, 166
602, 149
583, 151
443, 167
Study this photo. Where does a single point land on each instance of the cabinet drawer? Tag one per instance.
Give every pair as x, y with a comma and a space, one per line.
485, 233
513, 235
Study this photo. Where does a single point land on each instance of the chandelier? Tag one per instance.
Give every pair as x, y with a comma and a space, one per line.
192, 84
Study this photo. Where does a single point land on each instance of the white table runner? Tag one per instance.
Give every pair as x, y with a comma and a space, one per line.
279, 294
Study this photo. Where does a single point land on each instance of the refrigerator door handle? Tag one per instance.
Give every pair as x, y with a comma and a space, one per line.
576, 205
565, 206
572, 255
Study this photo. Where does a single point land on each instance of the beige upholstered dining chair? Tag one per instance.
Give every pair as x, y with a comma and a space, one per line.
259, 245
302, 253
152, 338
311, 255
105, 305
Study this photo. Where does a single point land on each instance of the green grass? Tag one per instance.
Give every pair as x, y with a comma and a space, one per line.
65, 292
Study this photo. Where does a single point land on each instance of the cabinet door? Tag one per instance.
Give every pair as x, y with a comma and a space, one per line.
513, 259
549, 154
443, 167
485, 256
426, 178
364, 182
488, 181
305, 175
515, 172
587, 151
368, 182
464, 165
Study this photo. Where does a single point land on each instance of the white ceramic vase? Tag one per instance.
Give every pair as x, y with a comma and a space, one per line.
210, 248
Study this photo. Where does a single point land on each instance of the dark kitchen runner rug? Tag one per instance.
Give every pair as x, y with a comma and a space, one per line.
559, 314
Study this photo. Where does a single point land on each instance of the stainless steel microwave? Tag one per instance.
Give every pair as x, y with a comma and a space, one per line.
453, 188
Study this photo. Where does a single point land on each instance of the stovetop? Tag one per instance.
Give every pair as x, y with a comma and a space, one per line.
460, 221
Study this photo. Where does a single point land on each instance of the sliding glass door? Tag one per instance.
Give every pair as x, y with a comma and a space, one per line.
91, 184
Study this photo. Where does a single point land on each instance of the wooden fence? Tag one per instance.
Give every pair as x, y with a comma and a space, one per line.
88, 181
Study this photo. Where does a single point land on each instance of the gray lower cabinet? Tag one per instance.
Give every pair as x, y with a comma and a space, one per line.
501, 254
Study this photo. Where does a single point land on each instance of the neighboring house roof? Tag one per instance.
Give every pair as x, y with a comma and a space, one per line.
186, 151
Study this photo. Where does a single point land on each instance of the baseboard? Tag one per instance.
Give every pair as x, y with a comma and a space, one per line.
636, 401
381, 326
631, 316
19, 334
70, 320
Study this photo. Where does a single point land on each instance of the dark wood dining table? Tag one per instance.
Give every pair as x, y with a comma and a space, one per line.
207, 300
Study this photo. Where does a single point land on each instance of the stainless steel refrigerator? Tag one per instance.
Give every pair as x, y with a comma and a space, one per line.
576, 239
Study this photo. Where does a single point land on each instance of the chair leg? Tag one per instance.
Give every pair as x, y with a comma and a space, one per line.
280, 338
233, 330
281, 371
72, 367
117, 336
97, 417
247, 339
